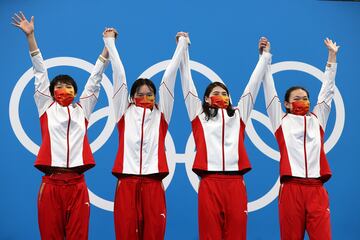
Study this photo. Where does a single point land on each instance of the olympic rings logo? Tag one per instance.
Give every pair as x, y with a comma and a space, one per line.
188, 156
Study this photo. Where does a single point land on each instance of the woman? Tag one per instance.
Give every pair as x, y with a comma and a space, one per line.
140, 165
303, 201
65, 154
221, 159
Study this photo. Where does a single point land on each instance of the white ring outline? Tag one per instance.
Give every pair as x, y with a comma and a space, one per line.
28, 76
338, 101
190, 154
171, 155
108, 205
96, 144
256, 140
95, 116
273, 154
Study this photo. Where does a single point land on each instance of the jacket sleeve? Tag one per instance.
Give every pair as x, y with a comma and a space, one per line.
247, 99
42, 94
323, 106
192, 101
90, 94
167, 85
120, 96
272, 101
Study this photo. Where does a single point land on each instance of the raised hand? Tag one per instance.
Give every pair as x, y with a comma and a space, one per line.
110, 32
333, 49
182, 34
331, 46
19, 20
264, 45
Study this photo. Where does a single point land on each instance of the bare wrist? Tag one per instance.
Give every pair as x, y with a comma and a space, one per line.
30, 35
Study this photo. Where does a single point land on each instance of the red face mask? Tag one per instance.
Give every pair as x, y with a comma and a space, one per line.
64, 96
219, 101
300, 107
145, 101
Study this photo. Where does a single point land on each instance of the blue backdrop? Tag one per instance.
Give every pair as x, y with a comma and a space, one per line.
224, 37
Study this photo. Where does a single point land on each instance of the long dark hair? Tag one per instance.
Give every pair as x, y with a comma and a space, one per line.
206, 107
138, 83
290, 90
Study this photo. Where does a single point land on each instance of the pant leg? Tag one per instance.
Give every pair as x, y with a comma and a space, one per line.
235, 204
154, 209
125, 210
291, 212
318, 214
78, 211
210, 213
51, 213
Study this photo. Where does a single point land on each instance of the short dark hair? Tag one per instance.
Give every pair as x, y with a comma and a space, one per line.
290, 90
206, 107
62, 78
140, 82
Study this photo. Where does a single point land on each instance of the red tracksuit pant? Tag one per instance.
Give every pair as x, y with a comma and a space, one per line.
63, 207
222, 207
304, 205
139, 208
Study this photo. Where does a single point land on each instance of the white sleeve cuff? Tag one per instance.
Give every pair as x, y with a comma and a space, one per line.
34, 53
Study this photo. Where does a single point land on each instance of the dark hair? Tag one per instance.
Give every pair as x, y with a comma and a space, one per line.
290, 90
206, 107
62, 79
140, 82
